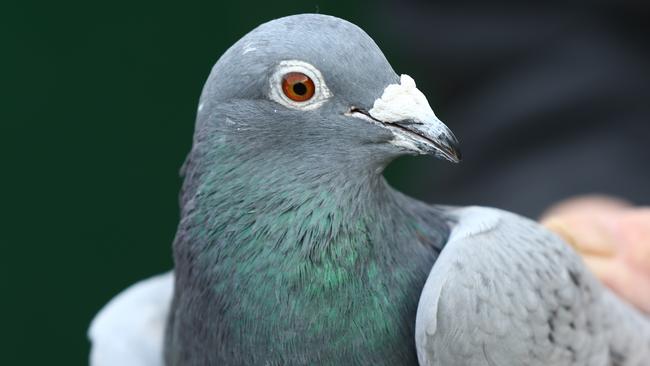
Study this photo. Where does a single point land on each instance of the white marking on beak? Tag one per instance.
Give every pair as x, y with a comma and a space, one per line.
402, 102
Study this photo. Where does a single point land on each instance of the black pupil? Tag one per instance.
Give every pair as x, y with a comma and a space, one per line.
300, 88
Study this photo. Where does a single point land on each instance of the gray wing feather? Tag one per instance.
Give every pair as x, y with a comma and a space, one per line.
505, 291
129, 330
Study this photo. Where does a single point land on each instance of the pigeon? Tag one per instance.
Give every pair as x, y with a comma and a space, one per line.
292, 249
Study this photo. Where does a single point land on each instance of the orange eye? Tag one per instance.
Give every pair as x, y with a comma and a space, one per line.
297, 86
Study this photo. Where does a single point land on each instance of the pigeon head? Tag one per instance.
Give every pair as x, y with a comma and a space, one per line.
317, 86
289, 232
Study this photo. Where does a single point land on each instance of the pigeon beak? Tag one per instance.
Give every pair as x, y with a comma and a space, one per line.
405, 111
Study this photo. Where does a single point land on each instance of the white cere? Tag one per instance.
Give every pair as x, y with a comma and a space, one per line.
402, 101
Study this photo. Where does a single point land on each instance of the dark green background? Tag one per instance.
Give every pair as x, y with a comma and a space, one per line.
98, 109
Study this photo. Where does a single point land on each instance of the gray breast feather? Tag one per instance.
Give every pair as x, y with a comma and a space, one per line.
505, 291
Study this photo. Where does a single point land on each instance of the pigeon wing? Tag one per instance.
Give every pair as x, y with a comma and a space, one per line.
129, 330
505, 291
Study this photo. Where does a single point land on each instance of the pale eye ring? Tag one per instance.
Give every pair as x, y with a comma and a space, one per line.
298, 85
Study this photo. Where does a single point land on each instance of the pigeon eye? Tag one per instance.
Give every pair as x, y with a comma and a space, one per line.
298, 86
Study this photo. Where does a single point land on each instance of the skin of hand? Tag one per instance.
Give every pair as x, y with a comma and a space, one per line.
613, 238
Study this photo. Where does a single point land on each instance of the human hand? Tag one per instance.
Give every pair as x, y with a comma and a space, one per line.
613, 238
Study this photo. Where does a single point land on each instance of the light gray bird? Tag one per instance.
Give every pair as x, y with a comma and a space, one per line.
293, 250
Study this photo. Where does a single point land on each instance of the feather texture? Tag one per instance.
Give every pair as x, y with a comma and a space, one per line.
505, 291
129, 330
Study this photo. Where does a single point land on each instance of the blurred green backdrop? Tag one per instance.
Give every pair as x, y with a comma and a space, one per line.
98, 109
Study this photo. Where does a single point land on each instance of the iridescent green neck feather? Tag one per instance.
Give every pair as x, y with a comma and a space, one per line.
285, 264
